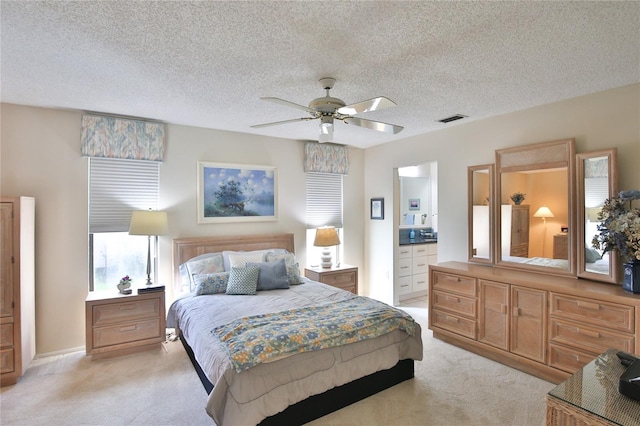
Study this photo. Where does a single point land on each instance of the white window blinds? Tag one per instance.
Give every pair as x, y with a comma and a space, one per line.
116, 188
324, 200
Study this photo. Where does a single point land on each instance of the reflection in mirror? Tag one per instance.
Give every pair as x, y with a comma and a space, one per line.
597, 181
530, 236
480, 187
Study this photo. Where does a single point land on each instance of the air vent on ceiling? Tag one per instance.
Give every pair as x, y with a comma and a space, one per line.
452, 118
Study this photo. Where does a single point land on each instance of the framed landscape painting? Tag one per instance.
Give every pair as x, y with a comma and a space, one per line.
236, 193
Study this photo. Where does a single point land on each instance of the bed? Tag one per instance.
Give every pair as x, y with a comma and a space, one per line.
297, 386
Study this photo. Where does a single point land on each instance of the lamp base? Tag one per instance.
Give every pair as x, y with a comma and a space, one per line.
326, 261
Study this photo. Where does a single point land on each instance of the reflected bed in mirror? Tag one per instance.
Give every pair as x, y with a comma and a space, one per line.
529, 239
480, 184
597, 180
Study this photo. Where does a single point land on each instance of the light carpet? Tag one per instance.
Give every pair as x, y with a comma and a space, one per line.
451, 387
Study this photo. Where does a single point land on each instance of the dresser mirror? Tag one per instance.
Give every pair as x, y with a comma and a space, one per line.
535, 230
597, 180
480, 199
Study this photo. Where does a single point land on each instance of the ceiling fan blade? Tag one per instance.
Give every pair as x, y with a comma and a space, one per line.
374, 125
275, 123
369, 105
289, 104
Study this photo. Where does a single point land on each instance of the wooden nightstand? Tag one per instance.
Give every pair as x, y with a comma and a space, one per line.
560, 246
118, 324
343, 276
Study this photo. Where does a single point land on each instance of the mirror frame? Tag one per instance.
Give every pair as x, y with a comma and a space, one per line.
611, 154
540, 156
491, 176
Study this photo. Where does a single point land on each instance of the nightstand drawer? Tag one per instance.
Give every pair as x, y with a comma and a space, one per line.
122, 312
342, 279
124, 333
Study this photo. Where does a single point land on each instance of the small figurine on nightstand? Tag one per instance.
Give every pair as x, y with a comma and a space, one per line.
124, 285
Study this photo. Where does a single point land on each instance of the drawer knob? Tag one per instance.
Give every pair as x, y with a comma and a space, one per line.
128, 328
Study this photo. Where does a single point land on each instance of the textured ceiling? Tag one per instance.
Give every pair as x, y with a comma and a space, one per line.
207, 64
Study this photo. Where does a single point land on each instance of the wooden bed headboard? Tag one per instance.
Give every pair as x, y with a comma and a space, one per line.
186, 248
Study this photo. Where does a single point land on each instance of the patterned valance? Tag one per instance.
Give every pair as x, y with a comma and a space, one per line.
112, 137
326, 158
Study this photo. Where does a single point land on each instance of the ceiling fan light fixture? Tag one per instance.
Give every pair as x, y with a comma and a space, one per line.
326, 129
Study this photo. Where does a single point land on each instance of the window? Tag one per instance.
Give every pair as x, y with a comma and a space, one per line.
324, 208
116, 188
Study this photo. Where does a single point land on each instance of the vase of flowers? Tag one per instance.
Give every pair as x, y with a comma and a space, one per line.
517, 198
619, 230
124, 284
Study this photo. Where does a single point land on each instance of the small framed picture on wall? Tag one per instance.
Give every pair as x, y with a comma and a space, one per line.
414, 203
377, 208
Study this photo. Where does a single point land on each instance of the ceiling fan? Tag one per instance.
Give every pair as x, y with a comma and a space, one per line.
328, 108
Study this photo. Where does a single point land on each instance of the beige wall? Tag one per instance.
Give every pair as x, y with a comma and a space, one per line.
40, 157
597, 121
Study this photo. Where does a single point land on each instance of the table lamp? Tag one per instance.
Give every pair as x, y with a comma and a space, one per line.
149, 223
326, 237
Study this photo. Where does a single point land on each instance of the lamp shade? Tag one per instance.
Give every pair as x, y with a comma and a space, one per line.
326, 237
148, 222
543, 212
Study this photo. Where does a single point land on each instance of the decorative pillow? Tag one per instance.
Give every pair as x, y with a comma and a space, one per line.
207, 263
241, 259
243, 280
293, 269
273, 275
211, 283
591, 255
259, 257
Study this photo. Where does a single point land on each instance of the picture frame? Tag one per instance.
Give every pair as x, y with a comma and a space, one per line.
236, 192
414, 203
377, 208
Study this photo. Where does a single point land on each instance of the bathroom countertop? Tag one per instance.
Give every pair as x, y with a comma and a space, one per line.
417, 240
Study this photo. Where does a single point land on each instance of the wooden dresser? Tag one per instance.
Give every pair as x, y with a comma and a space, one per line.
544, 325
343, 276
119, 324
17, 287
519, 231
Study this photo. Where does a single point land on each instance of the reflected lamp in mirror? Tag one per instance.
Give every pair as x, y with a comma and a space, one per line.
149, 223
544, 213
326, 237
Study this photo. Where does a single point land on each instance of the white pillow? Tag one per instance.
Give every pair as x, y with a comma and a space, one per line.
239, 260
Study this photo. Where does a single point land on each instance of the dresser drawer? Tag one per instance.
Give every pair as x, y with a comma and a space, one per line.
404, 284
619, 317
589, 338
404, 267
420, 250
7, 364
455, 283
124, 333
419, 282
6, 335
569, 360
454, 303
453, 323
342, 279
404, 252
122, 312
420, 265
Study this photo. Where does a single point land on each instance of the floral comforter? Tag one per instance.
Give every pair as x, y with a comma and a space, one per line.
252, 340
